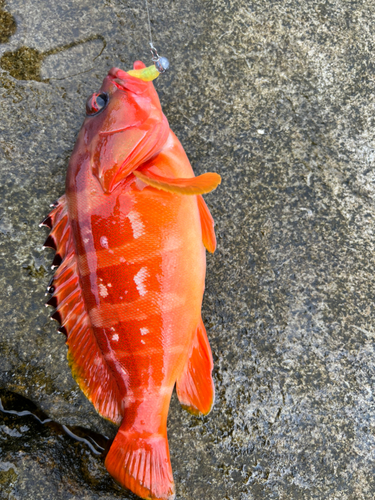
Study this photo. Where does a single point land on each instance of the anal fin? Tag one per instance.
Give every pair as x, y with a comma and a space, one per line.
89, 368
195, 387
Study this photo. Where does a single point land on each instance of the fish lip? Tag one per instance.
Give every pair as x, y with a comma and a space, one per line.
118, 78
121, 79
120, 84
120, 74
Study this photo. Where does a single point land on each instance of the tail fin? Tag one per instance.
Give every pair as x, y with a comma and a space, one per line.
140, 462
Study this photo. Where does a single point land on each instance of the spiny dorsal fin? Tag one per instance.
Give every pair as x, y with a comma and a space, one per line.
86, 360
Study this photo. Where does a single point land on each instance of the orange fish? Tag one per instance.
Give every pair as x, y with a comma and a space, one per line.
129, 236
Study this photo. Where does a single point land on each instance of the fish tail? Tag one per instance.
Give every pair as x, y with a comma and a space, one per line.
140, 462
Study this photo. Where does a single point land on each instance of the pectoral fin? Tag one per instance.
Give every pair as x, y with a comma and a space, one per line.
195, 185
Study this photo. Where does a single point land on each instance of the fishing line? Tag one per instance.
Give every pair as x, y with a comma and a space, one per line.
149, 25
161, 63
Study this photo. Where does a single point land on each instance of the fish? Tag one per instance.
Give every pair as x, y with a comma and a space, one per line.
130, 236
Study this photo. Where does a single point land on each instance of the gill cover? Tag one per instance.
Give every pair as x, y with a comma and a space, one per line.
124, 129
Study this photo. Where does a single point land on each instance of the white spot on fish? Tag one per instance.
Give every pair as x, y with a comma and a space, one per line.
140, 184
136, 223
109, 284
172, 243
104, 241
143, 342
122, 259
103, 292
139, 279
145, 331
129, 399
172, 301
97, 361
115, 337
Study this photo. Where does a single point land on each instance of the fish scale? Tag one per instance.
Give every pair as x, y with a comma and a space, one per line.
130, 236
145, 296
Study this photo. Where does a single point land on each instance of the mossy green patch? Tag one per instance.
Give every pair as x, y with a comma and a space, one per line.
8, 24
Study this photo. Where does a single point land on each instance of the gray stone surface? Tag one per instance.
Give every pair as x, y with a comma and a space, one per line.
278, 98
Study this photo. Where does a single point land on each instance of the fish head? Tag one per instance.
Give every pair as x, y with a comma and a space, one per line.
124, 127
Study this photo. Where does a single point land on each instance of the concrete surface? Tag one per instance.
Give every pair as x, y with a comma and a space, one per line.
278, 98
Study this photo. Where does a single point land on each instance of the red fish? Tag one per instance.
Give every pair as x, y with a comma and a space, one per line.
129, 236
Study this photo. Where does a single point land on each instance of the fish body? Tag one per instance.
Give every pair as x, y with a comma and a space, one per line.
129, 233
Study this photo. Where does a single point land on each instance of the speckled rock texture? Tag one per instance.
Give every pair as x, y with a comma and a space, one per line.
278, 98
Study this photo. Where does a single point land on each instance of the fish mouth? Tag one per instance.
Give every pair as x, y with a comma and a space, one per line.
122, 80
118, 73
140, 72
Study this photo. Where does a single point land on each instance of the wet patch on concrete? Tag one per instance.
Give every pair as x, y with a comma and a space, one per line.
32, 445
29, 64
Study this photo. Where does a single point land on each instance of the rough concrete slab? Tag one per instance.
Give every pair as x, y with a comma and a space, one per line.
278, 98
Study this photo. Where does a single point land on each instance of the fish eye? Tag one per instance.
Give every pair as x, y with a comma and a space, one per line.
96, 103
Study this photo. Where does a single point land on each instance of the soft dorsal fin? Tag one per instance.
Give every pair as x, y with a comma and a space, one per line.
207, 223
194, 185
